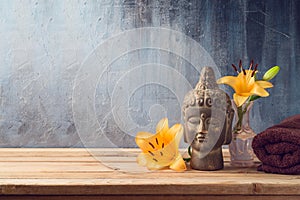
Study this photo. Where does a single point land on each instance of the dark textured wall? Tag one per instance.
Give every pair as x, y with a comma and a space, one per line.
266, 31
43, 44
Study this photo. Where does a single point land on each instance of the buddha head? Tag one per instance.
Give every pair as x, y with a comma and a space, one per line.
207, 115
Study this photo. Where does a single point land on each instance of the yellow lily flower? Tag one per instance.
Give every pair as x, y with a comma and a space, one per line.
160, 150
244, 85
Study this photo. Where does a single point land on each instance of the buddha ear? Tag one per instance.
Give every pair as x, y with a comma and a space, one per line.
231, 114
229, 118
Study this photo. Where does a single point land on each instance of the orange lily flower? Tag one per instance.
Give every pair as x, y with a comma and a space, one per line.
160, 150
245, 85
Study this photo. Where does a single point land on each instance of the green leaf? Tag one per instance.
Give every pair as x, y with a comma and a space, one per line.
271, 73
190, 150
254, 97
190, 154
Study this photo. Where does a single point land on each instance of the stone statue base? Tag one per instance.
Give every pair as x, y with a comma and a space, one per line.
212, 161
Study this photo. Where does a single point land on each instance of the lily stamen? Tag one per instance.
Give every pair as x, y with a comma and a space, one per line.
235, 68
251, 64
255, 69
244, 71
240, 65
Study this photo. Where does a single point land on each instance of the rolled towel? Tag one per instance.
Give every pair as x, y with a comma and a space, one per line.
278, 147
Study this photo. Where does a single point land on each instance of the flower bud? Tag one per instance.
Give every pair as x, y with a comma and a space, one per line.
271, 73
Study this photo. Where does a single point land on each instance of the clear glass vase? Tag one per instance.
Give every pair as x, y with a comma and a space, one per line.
240, 148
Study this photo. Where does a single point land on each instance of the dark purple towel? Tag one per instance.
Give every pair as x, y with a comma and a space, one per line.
278, 147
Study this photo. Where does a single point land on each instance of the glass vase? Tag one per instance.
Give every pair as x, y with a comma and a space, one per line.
240, 148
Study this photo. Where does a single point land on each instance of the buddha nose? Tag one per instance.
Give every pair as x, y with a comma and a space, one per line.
201, 128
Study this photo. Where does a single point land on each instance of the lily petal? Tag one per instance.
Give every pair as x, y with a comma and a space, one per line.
144, 135
144, 159
160, 158
245, 94
162, 126
229, 80
178, 136
264, 84
147, 141
259, 91
178, 164
170, 135
239, 100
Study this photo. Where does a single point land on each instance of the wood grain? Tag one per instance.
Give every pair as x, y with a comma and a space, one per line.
156, 197
113, 173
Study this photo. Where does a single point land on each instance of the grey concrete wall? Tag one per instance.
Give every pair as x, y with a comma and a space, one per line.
44, 43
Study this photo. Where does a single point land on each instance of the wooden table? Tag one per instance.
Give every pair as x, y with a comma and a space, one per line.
43, 173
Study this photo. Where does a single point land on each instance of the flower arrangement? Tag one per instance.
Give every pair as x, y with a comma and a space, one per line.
160, 150
247, 87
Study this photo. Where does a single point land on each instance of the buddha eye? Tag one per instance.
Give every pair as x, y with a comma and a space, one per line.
209, 102
201, 102
194, 120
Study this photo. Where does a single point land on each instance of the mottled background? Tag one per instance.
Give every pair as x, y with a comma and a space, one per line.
43, 44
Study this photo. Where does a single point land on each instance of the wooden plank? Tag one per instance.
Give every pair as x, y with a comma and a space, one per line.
77, 172
128, 166
150, 197
83, 173
75, 152
81, 153
51, 166
144, 187
68, 159
171, 184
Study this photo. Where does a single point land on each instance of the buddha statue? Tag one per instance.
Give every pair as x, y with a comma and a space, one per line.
207, 122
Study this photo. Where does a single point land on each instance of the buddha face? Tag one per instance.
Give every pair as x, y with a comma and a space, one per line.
206, 126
